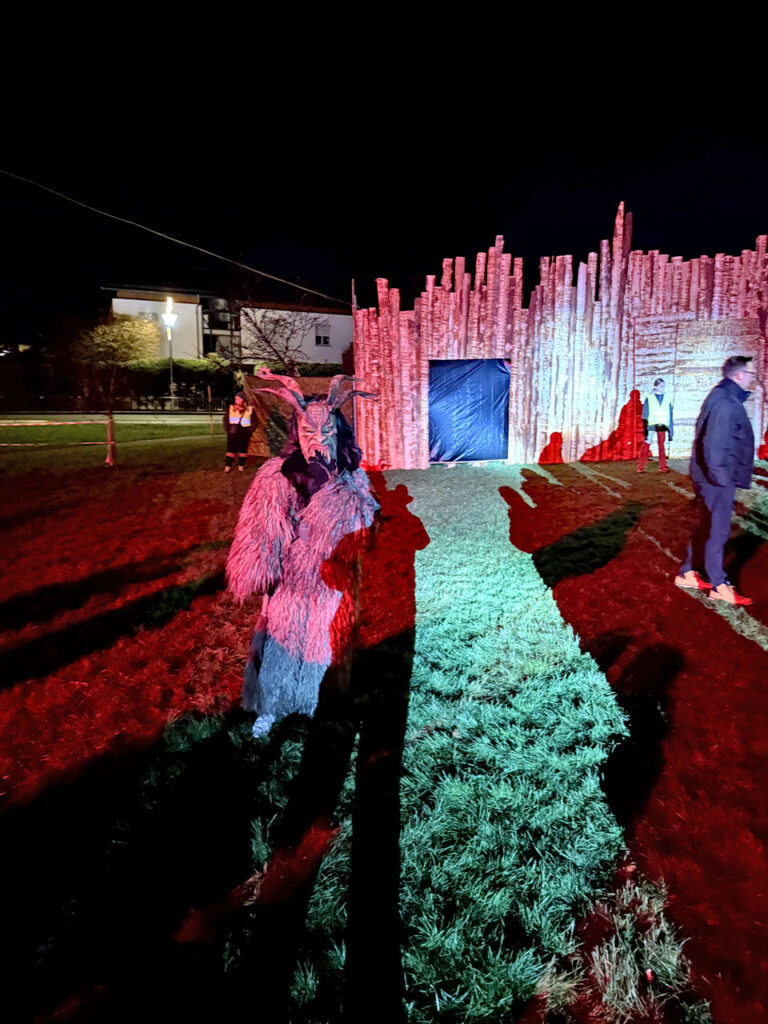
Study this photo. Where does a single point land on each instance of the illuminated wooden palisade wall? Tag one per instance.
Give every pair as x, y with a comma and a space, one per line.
576, 352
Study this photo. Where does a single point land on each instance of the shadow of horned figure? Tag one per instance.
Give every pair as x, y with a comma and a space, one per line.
364, 695
374, 671
297, 510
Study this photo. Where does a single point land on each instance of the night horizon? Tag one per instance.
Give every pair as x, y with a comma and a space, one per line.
690, 194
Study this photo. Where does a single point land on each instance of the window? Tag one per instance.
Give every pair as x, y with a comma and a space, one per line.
323, 334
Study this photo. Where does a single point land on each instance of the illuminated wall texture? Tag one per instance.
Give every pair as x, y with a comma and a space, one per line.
577, 352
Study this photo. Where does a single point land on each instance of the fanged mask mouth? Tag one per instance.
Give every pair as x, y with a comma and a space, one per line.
317, 433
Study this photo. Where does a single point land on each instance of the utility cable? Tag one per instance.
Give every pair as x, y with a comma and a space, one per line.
170, 238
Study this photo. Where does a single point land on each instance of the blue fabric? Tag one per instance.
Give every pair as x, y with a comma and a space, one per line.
468, 409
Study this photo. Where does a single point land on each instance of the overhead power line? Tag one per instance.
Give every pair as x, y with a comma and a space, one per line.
170, 238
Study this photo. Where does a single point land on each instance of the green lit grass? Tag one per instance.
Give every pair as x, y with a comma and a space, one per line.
506, 838
159, 455
60, 435
505, 830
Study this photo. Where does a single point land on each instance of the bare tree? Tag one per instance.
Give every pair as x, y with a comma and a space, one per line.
269, 335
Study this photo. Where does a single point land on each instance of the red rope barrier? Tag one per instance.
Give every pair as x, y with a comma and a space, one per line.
52, 423
111, 459
47, 444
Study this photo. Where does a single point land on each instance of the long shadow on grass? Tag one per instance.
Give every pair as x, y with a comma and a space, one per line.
28, 515
588, 548
642, 691
738, 551
43, 603
99, 874
47, 653
584, 550
365, 696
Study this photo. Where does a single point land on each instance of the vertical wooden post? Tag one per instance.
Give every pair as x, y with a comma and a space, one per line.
111, 459
210, 408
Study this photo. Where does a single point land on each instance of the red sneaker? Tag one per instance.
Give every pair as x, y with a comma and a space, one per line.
725, 592
692, 581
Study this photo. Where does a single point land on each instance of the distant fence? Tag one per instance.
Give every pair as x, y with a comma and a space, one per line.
111, 458
162, 403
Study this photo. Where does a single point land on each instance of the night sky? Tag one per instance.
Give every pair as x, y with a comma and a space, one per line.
320, 202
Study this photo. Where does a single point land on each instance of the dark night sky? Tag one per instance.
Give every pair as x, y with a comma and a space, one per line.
321, 200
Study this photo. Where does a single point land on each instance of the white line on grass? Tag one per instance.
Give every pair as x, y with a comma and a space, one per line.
541, 470
739, 619
590, 474
626, 484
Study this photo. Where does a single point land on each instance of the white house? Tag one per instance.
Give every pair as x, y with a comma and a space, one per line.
209, 324
317, 335
187, 333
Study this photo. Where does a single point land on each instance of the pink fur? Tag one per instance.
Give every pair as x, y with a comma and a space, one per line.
277, 545
264, 529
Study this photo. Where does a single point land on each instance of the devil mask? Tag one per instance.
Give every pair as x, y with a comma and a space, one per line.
316, 424
317, 432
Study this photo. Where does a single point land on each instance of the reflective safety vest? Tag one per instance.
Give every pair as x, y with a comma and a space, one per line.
659, 412
240, 419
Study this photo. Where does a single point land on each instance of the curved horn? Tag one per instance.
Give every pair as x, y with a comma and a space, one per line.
287, 396
289, 383
353, 394
335, 388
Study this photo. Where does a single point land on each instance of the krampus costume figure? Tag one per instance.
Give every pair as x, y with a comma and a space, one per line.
298, 508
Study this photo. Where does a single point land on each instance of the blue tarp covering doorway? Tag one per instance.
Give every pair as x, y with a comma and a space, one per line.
468, 409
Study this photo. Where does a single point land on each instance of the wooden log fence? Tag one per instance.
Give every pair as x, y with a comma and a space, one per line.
577, 352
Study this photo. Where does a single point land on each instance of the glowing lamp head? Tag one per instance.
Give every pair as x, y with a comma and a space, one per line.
169, 317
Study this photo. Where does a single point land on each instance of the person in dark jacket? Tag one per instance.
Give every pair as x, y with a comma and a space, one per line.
722, 460
239, 423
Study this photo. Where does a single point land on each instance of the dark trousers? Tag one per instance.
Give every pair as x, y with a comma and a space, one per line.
705, 547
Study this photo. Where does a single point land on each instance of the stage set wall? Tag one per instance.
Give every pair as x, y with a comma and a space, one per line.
581, 355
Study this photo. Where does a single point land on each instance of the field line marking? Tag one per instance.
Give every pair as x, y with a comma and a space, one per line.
680, 490
534, 467
594, 477
626, 484
744, 624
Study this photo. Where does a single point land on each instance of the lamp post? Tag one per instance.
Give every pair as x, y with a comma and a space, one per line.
169, 319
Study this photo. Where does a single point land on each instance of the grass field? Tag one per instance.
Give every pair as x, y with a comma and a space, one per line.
544, 628
60, 450
155, 428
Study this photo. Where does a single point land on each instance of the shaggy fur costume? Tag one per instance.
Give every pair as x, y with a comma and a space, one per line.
281, 543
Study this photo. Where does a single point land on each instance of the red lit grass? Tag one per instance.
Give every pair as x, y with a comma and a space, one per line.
702, 827
77, 559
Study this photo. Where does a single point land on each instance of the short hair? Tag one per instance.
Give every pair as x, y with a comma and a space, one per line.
659, 380
734, 364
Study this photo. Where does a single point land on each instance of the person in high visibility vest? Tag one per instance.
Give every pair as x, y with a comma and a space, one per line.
658, 418
239, 423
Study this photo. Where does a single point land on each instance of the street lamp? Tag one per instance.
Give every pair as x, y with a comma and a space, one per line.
169, 319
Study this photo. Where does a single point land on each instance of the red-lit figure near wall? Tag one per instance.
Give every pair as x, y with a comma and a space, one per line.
658, 421
297, 510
